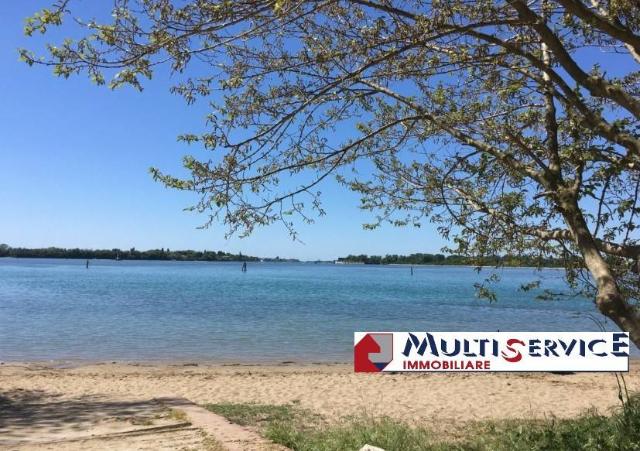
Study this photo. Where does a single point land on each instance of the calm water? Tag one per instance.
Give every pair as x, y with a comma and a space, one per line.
58, 310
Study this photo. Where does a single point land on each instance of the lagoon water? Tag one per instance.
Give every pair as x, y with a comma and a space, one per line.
57, 310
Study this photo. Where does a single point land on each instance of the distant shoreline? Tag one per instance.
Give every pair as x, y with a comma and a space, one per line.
282, 260
117, 254
162, 254
452, 260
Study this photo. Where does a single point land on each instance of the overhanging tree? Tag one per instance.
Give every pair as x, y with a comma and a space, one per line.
513, 125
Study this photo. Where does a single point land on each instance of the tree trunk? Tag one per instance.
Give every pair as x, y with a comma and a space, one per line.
609, 300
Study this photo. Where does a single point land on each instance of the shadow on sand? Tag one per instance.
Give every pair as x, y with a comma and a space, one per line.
35, 415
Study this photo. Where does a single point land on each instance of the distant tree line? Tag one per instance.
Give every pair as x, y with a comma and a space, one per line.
441, 259
131, 254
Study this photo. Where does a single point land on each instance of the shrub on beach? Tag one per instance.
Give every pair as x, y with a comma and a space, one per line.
592, 431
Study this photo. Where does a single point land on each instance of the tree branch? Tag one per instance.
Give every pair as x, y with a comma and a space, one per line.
597, 86
600, 21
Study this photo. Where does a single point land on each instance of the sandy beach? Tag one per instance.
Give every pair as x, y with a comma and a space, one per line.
332, 390
90, 406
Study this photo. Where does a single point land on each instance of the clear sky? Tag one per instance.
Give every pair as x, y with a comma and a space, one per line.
74, 162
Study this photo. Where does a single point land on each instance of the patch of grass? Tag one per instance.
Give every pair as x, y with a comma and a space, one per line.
178, 415
302, 431
299, 429
253, 414
385, 433
592, 432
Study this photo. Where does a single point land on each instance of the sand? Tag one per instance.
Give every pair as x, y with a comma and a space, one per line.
333, 391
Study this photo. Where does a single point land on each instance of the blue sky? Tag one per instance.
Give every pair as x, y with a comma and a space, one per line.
74, 162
